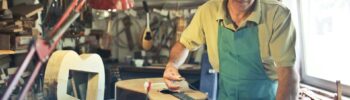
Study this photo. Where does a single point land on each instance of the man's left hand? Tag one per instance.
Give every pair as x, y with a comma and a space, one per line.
288, 83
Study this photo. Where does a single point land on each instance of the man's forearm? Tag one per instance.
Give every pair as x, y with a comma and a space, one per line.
178, 54
288, 83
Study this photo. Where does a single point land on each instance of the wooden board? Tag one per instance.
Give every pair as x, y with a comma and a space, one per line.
7, 52
26, 10
137, 86
57, 72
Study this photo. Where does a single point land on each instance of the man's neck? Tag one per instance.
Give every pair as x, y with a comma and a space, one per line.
237, 14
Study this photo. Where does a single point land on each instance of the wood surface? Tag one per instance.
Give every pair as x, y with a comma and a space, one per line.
339, 90
137, 86
57, 72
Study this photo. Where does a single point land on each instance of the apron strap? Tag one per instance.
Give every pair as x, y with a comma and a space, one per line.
220, 23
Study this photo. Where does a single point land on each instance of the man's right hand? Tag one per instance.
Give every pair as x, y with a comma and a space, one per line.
171, 74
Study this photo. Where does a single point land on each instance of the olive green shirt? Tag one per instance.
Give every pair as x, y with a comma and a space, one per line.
276, 32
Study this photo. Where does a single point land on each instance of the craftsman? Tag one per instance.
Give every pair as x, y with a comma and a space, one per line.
249, 42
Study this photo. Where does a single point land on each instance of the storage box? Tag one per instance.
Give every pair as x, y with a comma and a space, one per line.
14, 42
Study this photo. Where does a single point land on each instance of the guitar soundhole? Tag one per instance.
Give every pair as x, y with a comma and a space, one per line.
148, 36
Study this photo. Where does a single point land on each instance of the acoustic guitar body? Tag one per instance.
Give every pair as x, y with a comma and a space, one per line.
134, 89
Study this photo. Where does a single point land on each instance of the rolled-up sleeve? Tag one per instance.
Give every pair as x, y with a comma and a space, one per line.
282, 43
193, 36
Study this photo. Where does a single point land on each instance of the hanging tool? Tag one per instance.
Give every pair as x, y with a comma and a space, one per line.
127, 25
147, 36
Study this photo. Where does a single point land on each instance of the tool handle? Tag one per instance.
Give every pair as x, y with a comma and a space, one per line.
145, 6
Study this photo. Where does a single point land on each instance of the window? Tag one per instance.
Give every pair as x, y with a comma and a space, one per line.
324, 31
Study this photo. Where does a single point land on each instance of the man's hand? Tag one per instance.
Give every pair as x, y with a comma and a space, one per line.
288, 83
171, 74
177, 57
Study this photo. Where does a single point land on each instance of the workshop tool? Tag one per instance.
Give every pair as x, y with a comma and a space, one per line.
42, 48
57, 75
177, 82
179, 95
147, 36
63, 18
127, 25
184, 86
149, 85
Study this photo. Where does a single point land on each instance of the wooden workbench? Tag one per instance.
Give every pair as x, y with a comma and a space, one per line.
134, 89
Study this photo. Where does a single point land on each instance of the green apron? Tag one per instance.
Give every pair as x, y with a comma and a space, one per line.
242, 74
